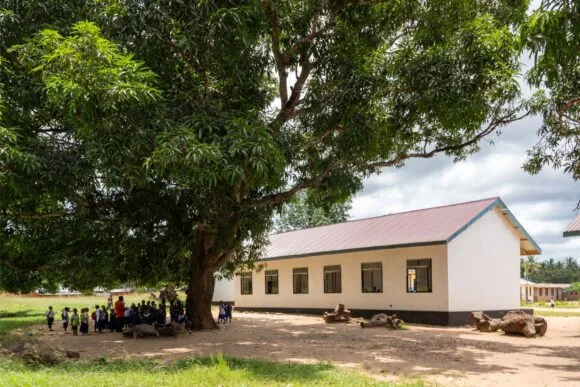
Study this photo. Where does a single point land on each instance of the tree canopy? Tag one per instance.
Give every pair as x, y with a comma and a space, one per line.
552, 35
563, 271
303, 212
154, 140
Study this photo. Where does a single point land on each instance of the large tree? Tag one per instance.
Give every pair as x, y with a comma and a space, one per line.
551, 34
304, 211
151, 140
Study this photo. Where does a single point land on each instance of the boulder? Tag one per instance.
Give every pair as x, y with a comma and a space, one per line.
521, 323
33, 353
382, 320
484, 323
141, 330
170, 330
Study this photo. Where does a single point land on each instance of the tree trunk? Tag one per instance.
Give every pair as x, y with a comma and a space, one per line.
199, 297
201, 284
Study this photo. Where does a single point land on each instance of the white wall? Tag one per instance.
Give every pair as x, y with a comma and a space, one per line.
394, 294
224, 290
484, 266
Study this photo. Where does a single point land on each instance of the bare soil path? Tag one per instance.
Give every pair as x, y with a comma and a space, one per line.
449, 356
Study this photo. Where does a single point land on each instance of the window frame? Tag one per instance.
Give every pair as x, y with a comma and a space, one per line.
421, 262
277, 275
245, 275
372, 270
301, 274
326, 269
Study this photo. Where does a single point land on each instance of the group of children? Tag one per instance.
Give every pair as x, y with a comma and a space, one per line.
74, 319
115, 317
225, 312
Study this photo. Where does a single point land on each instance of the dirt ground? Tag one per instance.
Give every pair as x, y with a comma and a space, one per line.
449, 356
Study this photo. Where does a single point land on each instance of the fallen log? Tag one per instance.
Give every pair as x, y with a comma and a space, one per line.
382, 320
484, 323
513, 323
339, 315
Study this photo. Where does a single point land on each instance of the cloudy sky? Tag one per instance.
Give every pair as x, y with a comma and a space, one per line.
543, 204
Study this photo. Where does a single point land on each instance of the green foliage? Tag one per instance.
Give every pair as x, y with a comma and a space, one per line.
303, 212
575, 287
563, 271
203, 371
159, 138
552, 34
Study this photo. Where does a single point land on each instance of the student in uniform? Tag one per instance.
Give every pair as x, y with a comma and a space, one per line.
65, 317
95, 317
75, 321
49, 317
85, 321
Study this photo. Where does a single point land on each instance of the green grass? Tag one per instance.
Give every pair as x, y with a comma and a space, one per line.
558, 304
554, 313
212, 371
21, 311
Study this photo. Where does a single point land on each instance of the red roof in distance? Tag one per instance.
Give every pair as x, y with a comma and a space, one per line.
573, 228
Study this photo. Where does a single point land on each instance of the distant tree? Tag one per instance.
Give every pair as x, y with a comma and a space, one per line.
575, 287
530, 267
555, 271
552, 35
303, 212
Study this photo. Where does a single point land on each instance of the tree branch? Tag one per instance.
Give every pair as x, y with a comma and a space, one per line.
278, 57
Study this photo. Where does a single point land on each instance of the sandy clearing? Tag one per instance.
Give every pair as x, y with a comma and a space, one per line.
450, 356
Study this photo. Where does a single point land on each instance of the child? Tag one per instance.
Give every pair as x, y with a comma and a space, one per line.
95, 317
49, 317
112, 321
75, 322
229, 310
64, 316
182, 319
102, 318
85, 321
127, 314
222, 313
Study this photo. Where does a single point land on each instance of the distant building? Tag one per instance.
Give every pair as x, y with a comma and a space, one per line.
573, 228
433, 265
526, 290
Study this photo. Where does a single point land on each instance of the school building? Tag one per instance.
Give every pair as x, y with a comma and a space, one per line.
573, 228
433, 265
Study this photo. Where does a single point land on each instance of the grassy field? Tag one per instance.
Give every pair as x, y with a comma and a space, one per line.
556, 313
21, 312
558, 304
214, 371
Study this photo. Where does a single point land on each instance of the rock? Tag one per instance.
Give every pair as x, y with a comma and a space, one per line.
33, 353
541, 325
141, 330
521, 323
339, 315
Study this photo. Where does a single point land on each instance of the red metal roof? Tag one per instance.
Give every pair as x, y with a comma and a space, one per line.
420, 227
573, 227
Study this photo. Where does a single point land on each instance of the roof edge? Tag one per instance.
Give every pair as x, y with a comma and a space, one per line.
571, 233
360, 249
497, 202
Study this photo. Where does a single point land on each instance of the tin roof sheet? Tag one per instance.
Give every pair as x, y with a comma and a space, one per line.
429, 226
573, 227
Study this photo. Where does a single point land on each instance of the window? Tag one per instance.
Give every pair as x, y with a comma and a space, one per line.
246, 281
372, 277
332, 279
300, 276
419, 276
552, 291
271, 281
540, 291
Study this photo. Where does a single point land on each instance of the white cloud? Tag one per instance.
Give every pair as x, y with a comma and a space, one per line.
543, 204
